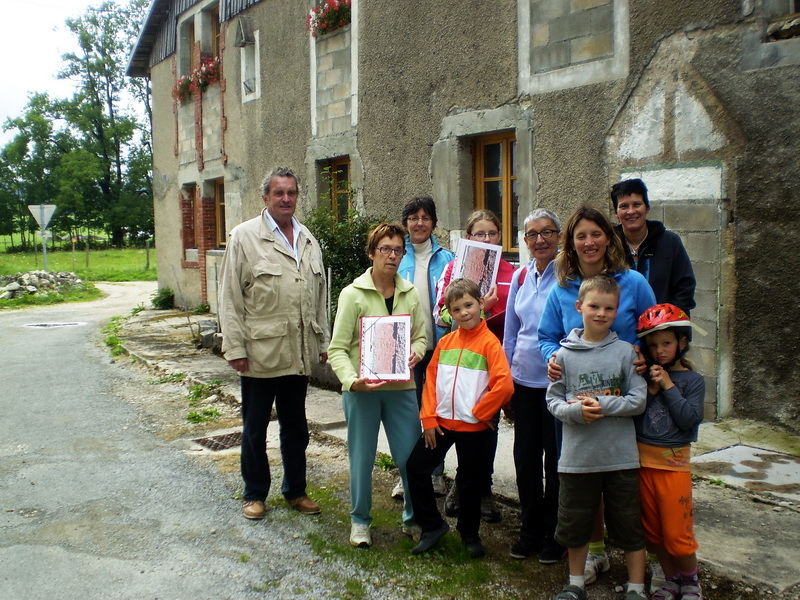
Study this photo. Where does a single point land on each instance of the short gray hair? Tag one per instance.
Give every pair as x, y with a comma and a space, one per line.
278, 172
542, 213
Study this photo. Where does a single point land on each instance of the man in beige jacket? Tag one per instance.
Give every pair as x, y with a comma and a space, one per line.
272, 312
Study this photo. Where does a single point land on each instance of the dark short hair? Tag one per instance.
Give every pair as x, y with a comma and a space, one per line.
628, 187
415, 204
459, 288
384, 230
279, 172
598, 283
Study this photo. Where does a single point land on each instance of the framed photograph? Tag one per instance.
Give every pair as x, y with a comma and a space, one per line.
478, 262
385, 346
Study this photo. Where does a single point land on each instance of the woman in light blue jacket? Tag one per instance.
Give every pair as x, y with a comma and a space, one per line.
534, 427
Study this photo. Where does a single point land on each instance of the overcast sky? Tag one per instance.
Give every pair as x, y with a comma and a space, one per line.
33, 40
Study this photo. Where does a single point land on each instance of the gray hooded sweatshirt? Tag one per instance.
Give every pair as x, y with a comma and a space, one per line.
603, 370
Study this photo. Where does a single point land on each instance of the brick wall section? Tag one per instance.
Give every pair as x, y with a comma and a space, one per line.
334, 102
570, 32
206, 234
187, 221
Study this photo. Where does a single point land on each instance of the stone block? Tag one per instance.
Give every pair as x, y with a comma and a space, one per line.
709, 326
710, 403
706, 274
550, 57
702, 245
692, 217
324, 62
324, 127
541, 35
341, 91
704, 359
569, 27
341, 59
602, 19
337, 109
324, 97
592, 47
579, 5
332, 78
543, 11
707, 304
340, 124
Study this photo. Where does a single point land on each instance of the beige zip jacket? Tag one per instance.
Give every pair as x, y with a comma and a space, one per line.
271, 312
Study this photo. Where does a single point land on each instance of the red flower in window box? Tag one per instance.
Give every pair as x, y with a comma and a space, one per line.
204, 75
328, 16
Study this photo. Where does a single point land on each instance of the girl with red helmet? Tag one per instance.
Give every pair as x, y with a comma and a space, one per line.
664, 433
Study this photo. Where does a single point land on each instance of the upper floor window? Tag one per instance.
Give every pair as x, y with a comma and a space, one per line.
495, 174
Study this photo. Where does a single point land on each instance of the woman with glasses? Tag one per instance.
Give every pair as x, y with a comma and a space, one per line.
534, 426
368, 403
482, 226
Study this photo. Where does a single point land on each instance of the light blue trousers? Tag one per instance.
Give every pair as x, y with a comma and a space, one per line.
364, 412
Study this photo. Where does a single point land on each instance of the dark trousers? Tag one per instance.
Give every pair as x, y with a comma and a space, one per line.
534, 438
288, 394
470, 448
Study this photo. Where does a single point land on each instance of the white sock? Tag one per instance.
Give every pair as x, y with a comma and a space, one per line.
577, 581
636, 587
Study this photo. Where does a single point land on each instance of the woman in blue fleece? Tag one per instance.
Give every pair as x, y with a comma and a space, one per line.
590, 248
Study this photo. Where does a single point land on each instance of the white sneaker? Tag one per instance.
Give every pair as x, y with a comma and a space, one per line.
397, 490
595, 565
657, 579
439, 485
360, 536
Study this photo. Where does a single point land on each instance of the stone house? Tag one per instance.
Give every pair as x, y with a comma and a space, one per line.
509, 105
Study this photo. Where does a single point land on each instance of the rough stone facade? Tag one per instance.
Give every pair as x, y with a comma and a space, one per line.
699, 98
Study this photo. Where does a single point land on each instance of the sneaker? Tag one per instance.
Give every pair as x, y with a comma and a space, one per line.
439, 485
552, 552
657, 578
489, 512
412, 531
670, 590
474, 547
397, 490
451, 503
595, 565
634, 595
360, 536
571, 592
430, 538
691, 590
254, 509
525, 548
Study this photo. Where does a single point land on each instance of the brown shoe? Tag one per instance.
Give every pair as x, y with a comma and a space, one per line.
305, 505
254, 509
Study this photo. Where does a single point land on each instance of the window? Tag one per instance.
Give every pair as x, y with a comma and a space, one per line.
340, 186
250, 69
219, 212
187, 216
496, 182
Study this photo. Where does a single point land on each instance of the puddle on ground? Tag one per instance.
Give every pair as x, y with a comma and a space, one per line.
754, 469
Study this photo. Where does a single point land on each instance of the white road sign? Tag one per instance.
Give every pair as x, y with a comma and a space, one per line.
42, 213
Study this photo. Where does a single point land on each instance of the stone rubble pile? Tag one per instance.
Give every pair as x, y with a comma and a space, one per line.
36, 282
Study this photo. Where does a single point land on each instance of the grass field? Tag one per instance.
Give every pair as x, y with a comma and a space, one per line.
104, 265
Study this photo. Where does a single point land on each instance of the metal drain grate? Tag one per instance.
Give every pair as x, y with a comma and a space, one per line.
221, 442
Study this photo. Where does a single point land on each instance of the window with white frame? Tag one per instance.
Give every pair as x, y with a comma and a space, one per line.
251, 69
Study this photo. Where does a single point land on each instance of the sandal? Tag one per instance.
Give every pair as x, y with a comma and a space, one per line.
571, 592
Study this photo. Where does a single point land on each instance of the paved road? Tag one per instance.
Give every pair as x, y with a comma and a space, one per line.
93, 504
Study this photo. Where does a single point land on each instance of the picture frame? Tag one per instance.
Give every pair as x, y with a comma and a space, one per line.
479, 262
384, 348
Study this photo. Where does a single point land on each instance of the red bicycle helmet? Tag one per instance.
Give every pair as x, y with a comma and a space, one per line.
663, 316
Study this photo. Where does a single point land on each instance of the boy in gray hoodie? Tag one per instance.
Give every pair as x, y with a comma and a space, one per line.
596, 398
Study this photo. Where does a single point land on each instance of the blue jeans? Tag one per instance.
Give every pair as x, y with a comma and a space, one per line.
364, 412
288, 394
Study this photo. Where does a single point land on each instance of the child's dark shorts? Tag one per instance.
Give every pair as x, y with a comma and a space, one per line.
579, 499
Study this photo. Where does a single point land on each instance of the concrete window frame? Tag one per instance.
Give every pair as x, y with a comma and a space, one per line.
594, 71
250, 69
451, 164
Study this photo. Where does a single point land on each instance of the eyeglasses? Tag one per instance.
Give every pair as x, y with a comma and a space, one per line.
390, 250
545, 233
419, 220
482, 235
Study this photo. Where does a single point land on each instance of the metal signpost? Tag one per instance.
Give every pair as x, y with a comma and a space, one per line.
43, 213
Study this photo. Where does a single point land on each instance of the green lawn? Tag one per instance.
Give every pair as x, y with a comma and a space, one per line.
104, 265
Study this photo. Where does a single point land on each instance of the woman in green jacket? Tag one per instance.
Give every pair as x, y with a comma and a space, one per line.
367, 403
